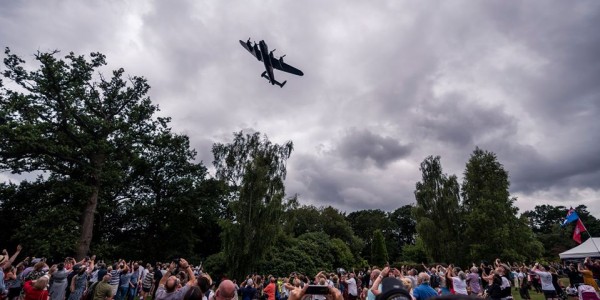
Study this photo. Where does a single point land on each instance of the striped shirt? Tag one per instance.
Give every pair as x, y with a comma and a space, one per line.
114, 280
147, 282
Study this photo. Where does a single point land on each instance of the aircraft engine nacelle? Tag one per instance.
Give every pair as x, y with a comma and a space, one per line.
257, 51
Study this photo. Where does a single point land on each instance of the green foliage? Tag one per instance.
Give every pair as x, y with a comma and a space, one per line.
165, 187
65, 120
303, 219
254, 170
415, 253
34, 213
365, 222
215, 264
379, 255
402, 232
492, 228
343, 256
437, 212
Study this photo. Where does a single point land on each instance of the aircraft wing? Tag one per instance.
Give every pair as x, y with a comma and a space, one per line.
277, 64
251, 50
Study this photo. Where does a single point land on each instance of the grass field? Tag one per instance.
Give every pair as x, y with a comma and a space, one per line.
540, 296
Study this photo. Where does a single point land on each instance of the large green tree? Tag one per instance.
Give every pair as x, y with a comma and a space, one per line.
379, 255
254, 169
437, 212
364, 223
402, 232
492, 228
165, 200
67, 119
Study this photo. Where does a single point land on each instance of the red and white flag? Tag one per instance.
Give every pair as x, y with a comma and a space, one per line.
579, 228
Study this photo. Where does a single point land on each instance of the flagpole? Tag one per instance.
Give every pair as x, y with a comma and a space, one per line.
592, 238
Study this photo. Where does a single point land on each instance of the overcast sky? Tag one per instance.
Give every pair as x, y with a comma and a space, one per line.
386, 84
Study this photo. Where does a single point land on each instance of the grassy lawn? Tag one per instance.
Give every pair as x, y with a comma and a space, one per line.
540, 296
532, 293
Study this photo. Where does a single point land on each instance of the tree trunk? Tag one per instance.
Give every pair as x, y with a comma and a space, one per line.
87, 218
87, 224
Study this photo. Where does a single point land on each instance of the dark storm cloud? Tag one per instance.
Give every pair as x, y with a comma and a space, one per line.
386, 84
359, 146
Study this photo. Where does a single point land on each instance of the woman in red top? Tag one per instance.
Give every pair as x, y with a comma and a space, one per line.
36, 289
270, 289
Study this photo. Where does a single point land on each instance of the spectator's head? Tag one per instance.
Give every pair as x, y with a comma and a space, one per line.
375, 273
204, 283
194, 293
39, 266
107, 277
41, 283
407, 283
171, 284
423, 278
225, 291
541, 268
499, 271
462, 275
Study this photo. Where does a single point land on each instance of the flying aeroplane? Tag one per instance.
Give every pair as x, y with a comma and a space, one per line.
261, 52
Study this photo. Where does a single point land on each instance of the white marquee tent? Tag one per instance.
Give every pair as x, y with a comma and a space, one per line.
584, 250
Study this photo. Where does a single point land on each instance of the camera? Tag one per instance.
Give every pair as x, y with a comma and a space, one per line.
317, 290
176, 261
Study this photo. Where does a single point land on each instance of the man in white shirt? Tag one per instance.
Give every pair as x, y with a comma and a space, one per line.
546, 279
352, 288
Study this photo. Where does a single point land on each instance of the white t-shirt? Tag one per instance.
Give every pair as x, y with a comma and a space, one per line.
352, 289
460, 286
546, 279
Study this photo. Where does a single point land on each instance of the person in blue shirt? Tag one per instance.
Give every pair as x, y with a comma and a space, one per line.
424, 291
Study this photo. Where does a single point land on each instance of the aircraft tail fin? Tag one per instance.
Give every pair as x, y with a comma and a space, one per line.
282, 84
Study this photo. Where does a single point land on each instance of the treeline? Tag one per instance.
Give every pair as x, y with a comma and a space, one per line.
114, 180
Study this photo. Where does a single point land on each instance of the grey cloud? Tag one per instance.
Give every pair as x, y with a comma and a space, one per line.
377, 67
358, 147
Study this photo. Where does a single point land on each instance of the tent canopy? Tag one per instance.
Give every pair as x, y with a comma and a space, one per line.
584, 250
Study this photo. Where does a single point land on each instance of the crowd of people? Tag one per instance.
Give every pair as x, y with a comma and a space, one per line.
89, 279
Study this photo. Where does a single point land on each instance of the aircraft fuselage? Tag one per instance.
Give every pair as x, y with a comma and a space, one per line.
264, 51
